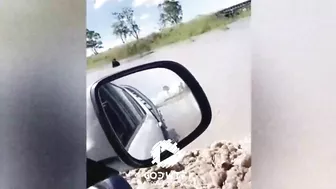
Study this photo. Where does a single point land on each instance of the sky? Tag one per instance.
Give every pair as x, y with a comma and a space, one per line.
100, 19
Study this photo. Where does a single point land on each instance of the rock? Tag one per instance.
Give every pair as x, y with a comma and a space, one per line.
230, 186
190, 187
188, 160
144, 186
206, 154
243, 160
217, 144
218, 178
204, 168
140, 181
193, 153
132, 172
225, 148
233, 155
247, 161
232, 175
133, 182
232, 148
224, 165
247, 176
239, 153
245, 185
176, 184
192, 175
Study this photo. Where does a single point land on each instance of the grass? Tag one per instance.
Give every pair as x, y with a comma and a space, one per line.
181, 32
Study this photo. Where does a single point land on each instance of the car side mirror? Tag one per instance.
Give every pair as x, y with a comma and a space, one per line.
146, 104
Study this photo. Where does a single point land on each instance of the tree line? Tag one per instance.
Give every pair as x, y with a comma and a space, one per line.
125, 26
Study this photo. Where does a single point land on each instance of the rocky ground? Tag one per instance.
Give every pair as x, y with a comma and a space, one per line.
223, 165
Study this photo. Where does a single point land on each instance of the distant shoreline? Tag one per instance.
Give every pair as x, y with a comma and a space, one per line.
179, 33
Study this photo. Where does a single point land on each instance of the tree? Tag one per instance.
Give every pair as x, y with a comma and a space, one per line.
120, 30
171, 12
125, 23
93, 41
132, 25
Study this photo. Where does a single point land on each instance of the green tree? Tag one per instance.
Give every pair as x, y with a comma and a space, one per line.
125, 19
93, 41
170, 12
120, 30
132, 25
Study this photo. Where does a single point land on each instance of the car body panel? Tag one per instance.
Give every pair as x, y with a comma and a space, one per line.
151, 107
97, 145
147, 134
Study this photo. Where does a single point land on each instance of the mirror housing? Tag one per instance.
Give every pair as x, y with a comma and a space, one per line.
188, 79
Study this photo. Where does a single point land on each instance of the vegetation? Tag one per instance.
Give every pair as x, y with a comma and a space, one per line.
125, 25
171, 13
93, 41
172, 31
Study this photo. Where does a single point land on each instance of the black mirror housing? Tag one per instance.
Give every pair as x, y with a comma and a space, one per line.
189, 80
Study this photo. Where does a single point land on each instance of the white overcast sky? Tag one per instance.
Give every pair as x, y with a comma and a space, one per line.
99, 16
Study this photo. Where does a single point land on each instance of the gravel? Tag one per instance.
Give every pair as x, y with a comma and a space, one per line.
222, 165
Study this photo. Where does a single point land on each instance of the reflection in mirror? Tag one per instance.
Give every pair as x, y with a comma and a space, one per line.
149, 106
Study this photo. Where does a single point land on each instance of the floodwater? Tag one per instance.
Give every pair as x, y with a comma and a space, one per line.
220, 61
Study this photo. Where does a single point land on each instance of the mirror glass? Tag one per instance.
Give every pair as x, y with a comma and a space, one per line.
149, 106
